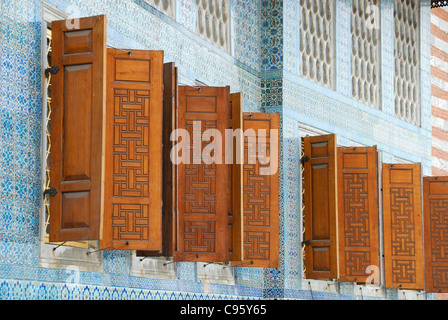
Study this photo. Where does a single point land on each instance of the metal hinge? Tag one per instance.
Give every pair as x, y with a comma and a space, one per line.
304, 159
307, 242
53, 70
52, 192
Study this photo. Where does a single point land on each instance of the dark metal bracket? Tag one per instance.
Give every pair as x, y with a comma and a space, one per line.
52, 192
307, 242
304, 159
52, 70
116, 245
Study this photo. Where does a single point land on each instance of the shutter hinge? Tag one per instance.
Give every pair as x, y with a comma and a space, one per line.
53, 70
304, 159
307, 242
52, 192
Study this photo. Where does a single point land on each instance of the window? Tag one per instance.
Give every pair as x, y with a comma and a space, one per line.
366, 53
111, 168
168, 7
407, 60
213, 22
317, 41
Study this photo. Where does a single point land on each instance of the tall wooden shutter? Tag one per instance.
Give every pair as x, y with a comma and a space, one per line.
133, 175
320, 207
78, 101
260, 193
357, 212
169, 185
403, 255
203, 188
435, 204
236, 180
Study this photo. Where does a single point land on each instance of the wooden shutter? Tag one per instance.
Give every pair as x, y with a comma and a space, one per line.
133, 175
260, 193
403, 256
203, 188
357, 212
236, 180
78, 110
169, 185
320, 207
435, 204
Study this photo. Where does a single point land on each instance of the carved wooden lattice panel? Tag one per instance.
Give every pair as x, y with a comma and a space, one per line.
403, 253
133, 174
77, 129
203, 186
320, 194
260, 191
358, 212
435, 204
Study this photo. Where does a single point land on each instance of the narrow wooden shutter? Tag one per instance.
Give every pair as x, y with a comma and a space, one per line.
357, 212
236, 180
78, 110
403, 255
260, 192
203, 188
169, 185
435, 204
320, 207
133, 175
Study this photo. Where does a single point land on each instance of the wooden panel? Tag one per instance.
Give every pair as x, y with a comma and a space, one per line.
203, 188
320, 207
78, 110
170, 100
403, 255
260, 192
133, 176
236, 180
435, 204
357, 212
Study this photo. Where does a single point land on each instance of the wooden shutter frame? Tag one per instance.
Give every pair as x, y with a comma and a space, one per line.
273, 228
220, 254
332, 242
372, 247
417, 219
130, 81
93, 44
236, 181
434, 269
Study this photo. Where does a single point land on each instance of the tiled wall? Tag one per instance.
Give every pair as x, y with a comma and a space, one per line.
264, 66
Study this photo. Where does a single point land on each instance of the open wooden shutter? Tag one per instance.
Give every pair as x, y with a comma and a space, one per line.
203, 188
236, 180
320, 207
169, 185
133, 175
357, 212
260, 191
78, 110
403, 255
435, 204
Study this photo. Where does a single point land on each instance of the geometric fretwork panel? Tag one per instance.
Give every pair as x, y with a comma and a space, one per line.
130, 222
199, 236
356, 213
200, 179
257, 192
402, 224
403, 271
131, 143
439, 230
256, 245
